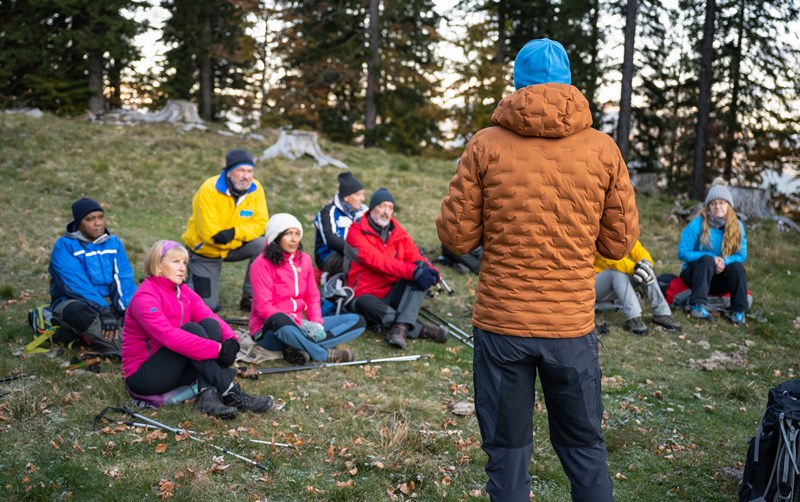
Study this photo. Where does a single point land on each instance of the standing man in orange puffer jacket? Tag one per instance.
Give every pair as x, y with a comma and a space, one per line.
542, 192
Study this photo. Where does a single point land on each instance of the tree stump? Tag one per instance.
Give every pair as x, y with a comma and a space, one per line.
176, 110
295, 144
645, 183
752, 201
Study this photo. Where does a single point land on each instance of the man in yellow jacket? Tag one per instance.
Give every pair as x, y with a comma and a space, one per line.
229, 218
542, 192
614, 288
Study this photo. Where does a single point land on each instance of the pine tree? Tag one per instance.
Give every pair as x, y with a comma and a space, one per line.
56, 55
212, 57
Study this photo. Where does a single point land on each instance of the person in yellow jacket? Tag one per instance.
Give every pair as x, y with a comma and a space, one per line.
228, 221
616, 282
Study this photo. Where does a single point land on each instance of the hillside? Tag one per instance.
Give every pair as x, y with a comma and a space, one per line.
673, 432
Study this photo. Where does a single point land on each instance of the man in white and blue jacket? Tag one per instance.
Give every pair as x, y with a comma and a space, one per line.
91, 280
333, 222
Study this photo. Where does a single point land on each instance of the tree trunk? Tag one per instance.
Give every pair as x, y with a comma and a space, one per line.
591, 84
206, 77
500, 46
373, 77
704, 104
96, 101
115, 82
265, 62
624, 121
736, 83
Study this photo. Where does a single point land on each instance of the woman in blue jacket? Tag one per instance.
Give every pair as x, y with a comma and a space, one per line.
713, 248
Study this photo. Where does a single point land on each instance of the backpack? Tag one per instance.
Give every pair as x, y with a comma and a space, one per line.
41, 320
470, 262
771, 472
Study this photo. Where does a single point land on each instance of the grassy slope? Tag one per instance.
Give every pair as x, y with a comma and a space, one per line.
673, 433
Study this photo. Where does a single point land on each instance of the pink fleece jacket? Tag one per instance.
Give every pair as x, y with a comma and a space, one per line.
153, 320
289, 288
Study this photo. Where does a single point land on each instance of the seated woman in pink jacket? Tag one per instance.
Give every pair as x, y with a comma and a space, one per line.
171, 338
284, 289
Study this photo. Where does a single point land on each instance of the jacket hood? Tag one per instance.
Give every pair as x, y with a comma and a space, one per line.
545, 110
73, 233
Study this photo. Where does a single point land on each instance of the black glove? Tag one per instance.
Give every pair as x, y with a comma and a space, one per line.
108, 321
224, 236
424, 276
227, 353
643, 273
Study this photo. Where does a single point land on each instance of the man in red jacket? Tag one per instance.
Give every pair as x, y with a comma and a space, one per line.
389, 275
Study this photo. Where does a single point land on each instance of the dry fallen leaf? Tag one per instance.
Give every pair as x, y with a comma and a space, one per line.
166, 489
345, 484
161, 448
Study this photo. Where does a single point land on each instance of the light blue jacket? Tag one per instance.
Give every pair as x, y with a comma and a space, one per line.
690, 249
92, 271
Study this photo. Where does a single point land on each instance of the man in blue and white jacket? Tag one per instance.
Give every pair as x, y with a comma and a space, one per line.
333, 222
91, 280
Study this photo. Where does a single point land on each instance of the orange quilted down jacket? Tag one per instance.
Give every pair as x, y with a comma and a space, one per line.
543, 192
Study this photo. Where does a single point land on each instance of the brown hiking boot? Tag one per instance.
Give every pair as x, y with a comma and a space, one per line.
397, 335
438, 334
340, 355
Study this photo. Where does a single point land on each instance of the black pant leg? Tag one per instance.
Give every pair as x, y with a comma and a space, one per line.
698, 276
376, 312
732, 280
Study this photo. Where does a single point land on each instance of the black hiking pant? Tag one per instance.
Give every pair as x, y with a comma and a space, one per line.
702, 278
504, 374
402, 304
165, 370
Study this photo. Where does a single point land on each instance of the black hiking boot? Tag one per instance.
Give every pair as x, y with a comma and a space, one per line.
210, 403
666, 322
296, 356
246, 303
340, 355
397, 335
636, 326
438, 334
243, 401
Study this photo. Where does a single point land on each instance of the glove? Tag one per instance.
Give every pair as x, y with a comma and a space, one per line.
108, 321
643, 273
314, 331
224, 236
424, 276
227, 353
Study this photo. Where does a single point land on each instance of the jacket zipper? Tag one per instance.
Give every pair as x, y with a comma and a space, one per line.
296, 285
180, 302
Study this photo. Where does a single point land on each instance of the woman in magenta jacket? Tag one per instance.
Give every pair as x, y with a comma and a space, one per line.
171, 338
284, 290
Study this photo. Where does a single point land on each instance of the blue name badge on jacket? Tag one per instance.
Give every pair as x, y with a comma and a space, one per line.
245, 213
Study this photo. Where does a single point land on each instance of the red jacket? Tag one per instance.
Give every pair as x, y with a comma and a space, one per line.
378, 266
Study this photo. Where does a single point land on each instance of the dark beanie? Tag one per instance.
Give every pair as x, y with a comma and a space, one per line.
238, 157
82, 207
380, 196
348, 184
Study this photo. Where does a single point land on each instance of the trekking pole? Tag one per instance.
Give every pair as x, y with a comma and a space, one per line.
447, 287
174, 430
287, 369
457, 332
261, 441
14, 377
238, 321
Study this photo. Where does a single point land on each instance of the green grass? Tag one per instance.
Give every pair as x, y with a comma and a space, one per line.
673, 432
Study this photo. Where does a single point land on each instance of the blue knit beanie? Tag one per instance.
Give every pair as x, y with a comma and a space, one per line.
541, 61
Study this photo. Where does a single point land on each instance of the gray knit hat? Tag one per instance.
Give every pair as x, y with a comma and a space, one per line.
719, 192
